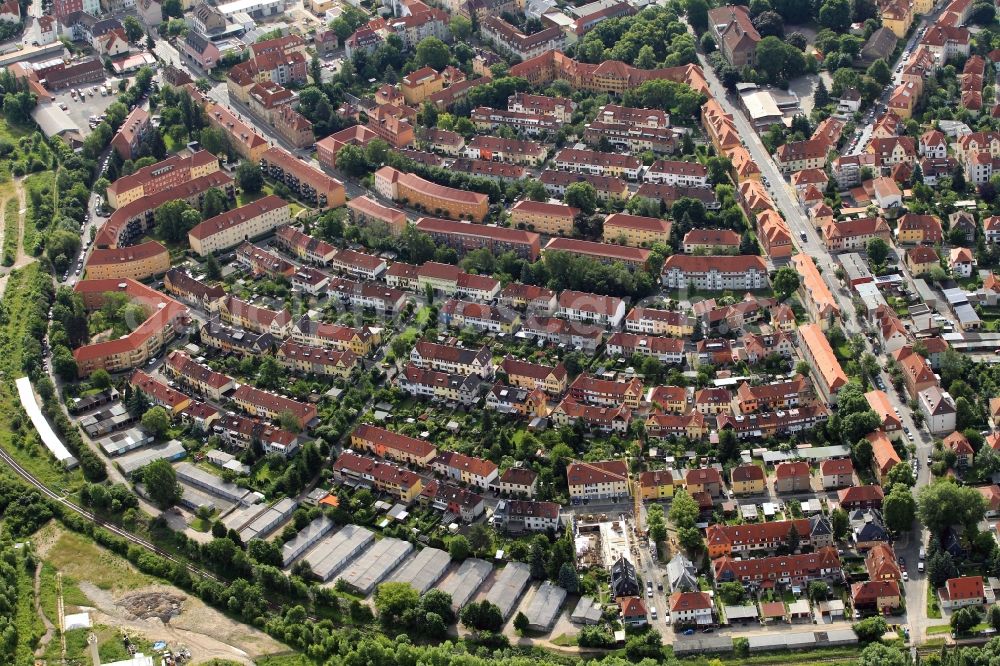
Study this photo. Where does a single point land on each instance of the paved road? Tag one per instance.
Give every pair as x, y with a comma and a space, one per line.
798, 222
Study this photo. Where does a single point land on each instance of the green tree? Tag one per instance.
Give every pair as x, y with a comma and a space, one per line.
100, 379
569, 580
840, 522
156, 421
133, 29
160, 481
684, 510
697, 14
870, 629
352, 161
785, 282
944, 503
534, 190
964, 619
878, 250
582, 195
461, 28
269, 374
835, 15
213, 271
433, 53
249, 177
171, 223
879, 70
732, 593
899, 508
459, 548
392, 600
878, 654
482, 616
520, 623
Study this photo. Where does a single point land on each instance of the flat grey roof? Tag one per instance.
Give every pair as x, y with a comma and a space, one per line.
587, 611
306, 537
543, 607
210, 482
509, 586
424, 569
265, 522
462, 584
331, 555
374, 564
740, 612
134, 460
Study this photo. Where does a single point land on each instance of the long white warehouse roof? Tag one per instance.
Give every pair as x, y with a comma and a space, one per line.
45, 431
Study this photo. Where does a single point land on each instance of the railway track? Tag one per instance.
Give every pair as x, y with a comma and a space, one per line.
97, 520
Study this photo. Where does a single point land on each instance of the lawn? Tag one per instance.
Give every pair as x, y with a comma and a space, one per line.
933, 609
566, 640
10, 235
939, 629
82, 559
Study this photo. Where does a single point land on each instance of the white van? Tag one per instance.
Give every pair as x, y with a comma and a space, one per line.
652, 612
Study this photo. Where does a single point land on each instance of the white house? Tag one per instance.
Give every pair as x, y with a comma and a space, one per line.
690, 608
938, 409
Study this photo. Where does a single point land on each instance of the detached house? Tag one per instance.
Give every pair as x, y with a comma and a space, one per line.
837, 473
962, 592
791, 477
748, 480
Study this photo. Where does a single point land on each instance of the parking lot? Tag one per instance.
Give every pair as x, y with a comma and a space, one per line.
95, 105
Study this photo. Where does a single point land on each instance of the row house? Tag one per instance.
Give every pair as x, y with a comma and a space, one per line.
892, 332
597, 391
487, 119
816, 350
506, 399
798, 155
236, 312
453, 360
605, 253
560, 108
261, 262
465, 469
482, 317
706, 480
673, 399
453, 500
881, 596
663, 349
186, 371
441, 141
770, 424
528, 297
598, 164
853, 235
159, 394
511, 41
713, 400
310, 281
651, 321
165, 174
656, 484
556, 331
523, 374
609, 188
365, 211
602, 419
893, 150
579, 306
947, 42
241, 432
390, 123
513, 151
636, 230
713, 351
400, 483
543, 217
776, 396
757, 347
606, 479
193, 291
304, 180
672, 172
879, 403
773, 233
233, 227
693, 426
270, 406
359, 265
741, 540
362, 341
466, 236
431, 384
836, 473
785, 570
633, 138
392, 445
919, 229
819, 301
715, 273
517, 516
316, 360
668, 195
231, 340
452, 281
860, 497
519, 482
444, 201
305, 247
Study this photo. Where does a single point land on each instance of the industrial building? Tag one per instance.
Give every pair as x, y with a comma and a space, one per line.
268, 520
462, 584
306, 537
331, 555
189, 475
376, 563
423, 570
130, 462
508, 587
543, 607
123, 442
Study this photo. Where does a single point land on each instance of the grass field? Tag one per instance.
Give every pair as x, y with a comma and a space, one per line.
933, 609
939, 629
29, 625
10, 231
32, 227
81, 559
